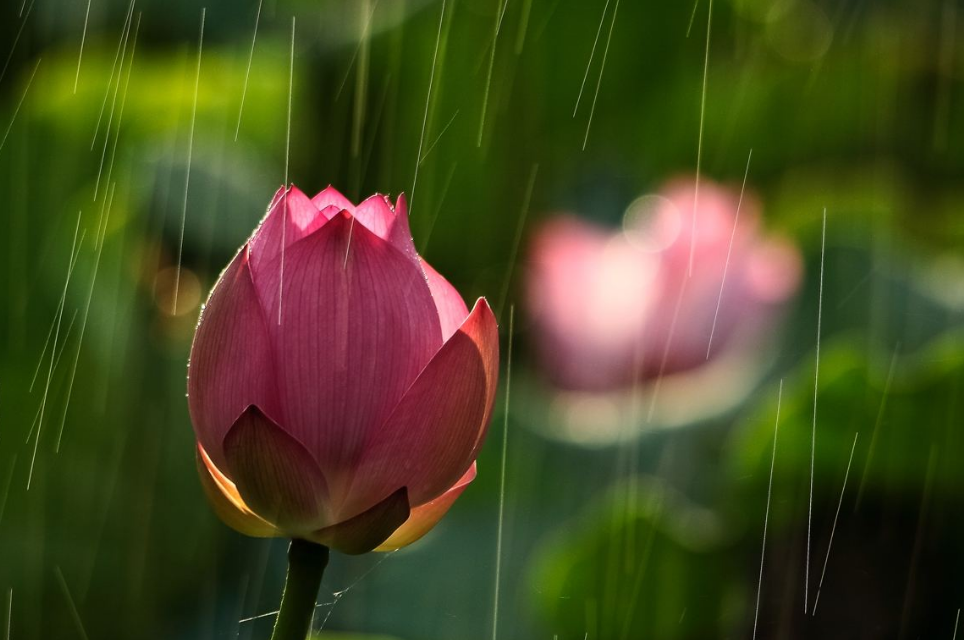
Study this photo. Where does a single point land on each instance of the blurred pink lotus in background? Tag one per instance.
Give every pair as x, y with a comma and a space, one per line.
339, 387
617, 309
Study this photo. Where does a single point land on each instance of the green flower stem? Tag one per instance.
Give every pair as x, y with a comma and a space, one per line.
306, 564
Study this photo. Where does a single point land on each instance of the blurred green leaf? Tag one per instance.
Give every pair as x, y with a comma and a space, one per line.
906, 408
643, 563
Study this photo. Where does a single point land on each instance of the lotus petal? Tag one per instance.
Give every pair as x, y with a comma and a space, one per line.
231, 361
291, 217
357, 325
275, 474
227, 503
423, 518
433, 435
452, 311
330, 196
369, 529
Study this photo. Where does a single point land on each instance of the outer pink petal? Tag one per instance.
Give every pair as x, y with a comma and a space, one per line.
367, 530
452, 311
227, 502
357, 326
291, 216
275, 475
425, 517
590, 295
332, 197
388, 222
377, 214
774, 269
434, 433
231, 361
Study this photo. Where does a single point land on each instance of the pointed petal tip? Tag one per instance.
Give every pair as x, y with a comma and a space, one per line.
253, 410
289, 190
331, 196
378, 215
482, 321
482, 306
378, 200
277, 196
294, 190
290, 217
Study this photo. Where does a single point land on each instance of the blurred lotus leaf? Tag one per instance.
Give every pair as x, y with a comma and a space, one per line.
904, 408
642, 563
901, 512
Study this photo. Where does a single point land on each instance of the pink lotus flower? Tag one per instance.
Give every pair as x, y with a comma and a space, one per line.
616, 308
339, 387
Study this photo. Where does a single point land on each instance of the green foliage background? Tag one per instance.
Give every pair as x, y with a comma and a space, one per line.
850, 106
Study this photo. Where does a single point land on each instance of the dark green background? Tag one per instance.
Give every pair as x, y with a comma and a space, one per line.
850, 105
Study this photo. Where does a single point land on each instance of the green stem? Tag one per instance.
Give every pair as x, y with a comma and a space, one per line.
306, 564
